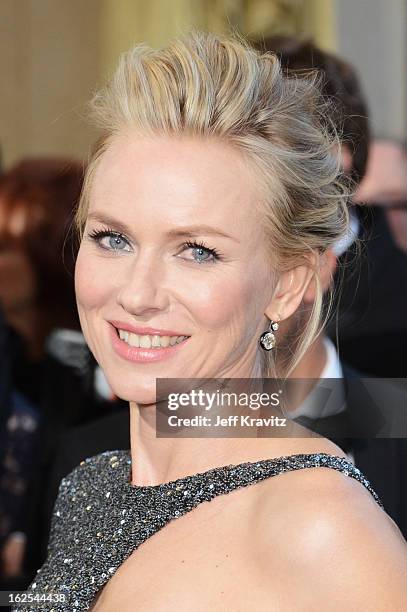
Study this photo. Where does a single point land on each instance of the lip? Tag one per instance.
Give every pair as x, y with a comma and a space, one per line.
151, 331
142, 355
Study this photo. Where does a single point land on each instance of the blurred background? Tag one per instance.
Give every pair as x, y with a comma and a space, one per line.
54, 53
55, 405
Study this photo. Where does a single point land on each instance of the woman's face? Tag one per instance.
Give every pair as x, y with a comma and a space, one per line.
173, 254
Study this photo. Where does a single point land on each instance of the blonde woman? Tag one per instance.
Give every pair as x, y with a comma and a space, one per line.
206, 213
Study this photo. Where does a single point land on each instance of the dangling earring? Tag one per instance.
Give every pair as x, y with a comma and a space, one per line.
267, 339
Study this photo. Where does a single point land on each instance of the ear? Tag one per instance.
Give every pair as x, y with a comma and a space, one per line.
289, 292
328, 264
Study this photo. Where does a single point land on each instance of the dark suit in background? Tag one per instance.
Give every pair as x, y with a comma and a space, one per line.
372, 308
372, 336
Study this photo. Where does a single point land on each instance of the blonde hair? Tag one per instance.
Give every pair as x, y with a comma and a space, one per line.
214, 86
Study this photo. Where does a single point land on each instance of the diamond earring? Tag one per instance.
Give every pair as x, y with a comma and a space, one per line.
267, 339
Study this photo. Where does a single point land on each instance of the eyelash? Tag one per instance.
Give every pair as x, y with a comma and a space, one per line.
201, 245
97, 235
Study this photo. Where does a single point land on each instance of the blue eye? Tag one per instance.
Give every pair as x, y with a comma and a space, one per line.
201, 253
114, 240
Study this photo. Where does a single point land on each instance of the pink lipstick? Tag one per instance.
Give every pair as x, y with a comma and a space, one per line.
140, 354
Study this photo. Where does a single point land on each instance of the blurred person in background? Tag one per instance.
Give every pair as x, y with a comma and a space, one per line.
370, 324
355, 411
4, 379
385, 182
47, 363
37, 199
381, 337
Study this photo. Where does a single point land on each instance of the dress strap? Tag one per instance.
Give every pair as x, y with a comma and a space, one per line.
184, 494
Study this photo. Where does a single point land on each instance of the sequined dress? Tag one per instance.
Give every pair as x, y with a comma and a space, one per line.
100, 518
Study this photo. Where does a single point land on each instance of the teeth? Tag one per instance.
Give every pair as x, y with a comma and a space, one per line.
123, 335
148, 341
133, 340
145, 341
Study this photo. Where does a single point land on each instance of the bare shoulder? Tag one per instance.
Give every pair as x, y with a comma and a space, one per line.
331, 533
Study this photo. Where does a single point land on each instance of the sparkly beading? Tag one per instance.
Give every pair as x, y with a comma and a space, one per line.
99, 518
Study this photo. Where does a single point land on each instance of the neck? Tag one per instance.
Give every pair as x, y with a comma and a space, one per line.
156, 460
159, 460
313, 362
309, 369
162, 459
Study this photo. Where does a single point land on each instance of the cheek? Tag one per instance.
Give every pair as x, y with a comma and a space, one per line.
240, 306
93, 292
224, 303
91, 282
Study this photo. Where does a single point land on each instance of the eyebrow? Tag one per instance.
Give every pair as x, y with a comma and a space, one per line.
190, 231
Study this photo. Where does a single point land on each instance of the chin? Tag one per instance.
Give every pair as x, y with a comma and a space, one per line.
140, 392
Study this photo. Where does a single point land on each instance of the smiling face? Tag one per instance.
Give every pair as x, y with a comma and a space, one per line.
173, 251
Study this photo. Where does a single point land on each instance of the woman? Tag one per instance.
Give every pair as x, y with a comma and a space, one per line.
206, 212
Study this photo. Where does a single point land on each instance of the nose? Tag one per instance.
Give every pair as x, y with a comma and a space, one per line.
142, 290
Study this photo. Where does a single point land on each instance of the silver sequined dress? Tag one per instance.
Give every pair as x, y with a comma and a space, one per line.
100, 518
